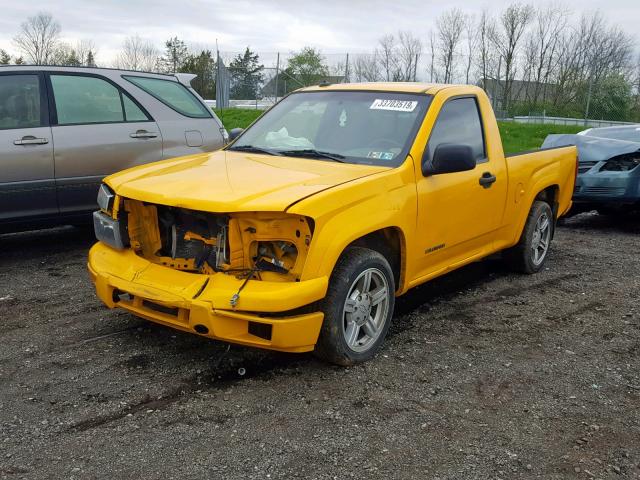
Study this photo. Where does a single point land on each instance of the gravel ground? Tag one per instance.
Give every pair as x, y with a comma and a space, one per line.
486, 374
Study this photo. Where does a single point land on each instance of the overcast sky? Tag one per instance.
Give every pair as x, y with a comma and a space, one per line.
334, 26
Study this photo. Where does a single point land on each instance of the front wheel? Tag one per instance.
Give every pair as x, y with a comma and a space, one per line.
530, 254
357, 308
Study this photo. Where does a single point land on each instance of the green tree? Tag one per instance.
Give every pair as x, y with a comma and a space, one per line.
19, 61
72, 59
5, 58
90, 61
306, 67
176, 54
202, 65
612, 99
246, 75
65, 55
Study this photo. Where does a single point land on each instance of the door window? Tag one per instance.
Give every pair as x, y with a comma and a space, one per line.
132, 112
172, 94
459, 123
19, 101
83, 99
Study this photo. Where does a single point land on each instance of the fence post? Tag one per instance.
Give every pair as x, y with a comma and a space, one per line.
277, 75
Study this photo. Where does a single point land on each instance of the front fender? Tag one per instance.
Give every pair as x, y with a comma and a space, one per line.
351, 211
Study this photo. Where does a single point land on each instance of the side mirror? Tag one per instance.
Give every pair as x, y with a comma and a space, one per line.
449, 158
235, 133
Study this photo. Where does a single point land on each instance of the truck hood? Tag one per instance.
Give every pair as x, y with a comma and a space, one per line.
226, 181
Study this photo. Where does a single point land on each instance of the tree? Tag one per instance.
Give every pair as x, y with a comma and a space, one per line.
506, 40
486, 55
550, 23
90, 60
65, 55
472, 41
138, 54
398, 57
386, 55
365, 68
306, 67
203, 66
409, 52
246, 75
433, 74
18, 61
5, 58
612, 99
38, 38
636, 88
450, 26
86, 52
176, 54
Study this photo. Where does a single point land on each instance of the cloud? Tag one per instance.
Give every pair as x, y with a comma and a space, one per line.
334, 26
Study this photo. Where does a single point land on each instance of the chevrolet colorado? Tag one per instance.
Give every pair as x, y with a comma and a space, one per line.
300, 234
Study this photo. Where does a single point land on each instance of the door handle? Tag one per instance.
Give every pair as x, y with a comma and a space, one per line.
487, 179
143, 134
31, 140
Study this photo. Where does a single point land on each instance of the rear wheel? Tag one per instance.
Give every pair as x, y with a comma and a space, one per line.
530, 254
357, 308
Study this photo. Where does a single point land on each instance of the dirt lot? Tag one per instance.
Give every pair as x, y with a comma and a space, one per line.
486, 374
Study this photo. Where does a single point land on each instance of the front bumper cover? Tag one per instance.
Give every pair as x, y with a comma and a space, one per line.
605, 187
200, 304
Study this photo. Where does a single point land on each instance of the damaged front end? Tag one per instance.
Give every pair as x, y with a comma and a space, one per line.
608, 172
233, 276
269, 246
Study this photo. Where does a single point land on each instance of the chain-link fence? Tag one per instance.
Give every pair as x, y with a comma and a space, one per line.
521, 93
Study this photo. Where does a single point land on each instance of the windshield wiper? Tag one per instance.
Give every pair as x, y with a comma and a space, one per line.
310, 152
252, 149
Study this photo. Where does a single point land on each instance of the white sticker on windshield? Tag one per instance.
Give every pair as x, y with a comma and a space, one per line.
396, 105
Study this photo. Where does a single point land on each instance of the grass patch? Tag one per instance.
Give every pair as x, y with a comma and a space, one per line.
237, 117
516, 137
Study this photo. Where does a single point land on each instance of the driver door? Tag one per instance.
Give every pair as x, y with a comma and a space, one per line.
457, 214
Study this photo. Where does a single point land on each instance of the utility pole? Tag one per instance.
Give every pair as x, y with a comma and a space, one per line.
346, 70
277, 75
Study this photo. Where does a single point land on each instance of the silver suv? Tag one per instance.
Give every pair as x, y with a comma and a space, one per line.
63, 129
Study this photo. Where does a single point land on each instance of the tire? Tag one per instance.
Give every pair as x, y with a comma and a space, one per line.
531, 252
355, 326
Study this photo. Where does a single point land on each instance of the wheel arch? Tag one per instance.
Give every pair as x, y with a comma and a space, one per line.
390, 243
549, 194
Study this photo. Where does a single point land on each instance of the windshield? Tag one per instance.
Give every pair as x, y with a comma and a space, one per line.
375, 128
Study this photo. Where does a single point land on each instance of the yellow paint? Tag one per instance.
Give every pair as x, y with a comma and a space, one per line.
441, 222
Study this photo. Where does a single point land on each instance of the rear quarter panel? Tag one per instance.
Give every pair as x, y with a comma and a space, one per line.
529, 174
181, 135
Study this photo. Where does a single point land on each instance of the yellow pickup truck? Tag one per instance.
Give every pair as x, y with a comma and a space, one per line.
299, 235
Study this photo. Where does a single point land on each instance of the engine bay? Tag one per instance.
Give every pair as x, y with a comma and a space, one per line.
262, 245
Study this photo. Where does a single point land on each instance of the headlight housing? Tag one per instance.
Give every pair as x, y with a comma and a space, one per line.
106, 197
622, 163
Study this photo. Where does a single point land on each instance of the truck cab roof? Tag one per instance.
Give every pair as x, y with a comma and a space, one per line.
402, 87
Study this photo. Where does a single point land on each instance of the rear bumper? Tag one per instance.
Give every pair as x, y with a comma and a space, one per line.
199, 303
